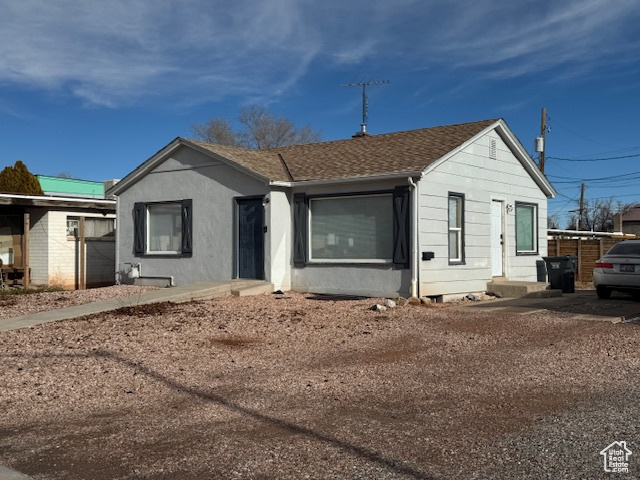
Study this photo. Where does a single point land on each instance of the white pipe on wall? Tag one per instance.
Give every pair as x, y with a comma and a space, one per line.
136, 272
414, 238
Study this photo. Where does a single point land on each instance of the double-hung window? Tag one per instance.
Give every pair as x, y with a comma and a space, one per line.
354, 229
456, 228
526, 228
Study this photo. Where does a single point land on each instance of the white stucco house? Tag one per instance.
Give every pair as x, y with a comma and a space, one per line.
429, 212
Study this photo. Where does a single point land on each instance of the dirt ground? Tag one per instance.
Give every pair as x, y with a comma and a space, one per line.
295, 386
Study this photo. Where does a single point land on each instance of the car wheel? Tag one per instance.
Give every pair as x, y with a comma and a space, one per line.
603, 292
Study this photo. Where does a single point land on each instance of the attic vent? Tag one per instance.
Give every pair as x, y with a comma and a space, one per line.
492, 148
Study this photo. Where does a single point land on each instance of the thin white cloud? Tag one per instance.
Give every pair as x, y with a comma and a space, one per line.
125, 51
520, 38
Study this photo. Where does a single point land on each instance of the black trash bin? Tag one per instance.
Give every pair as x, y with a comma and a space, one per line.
562, 272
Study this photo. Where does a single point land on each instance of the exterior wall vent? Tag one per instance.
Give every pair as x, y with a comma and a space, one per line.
493, 149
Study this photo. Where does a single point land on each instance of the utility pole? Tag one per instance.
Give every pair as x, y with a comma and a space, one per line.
543, 132
581, 211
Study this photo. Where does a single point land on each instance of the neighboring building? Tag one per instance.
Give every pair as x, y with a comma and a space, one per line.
41, 241
429, 212
70, 187
628, 222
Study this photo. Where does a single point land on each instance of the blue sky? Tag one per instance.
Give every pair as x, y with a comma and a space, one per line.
95, 88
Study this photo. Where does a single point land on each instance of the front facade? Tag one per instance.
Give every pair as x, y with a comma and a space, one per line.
426, 213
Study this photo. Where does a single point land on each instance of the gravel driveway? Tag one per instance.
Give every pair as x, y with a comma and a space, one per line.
295, 386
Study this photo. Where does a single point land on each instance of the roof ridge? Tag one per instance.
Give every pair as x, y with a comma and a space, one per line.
386, 134
377, 135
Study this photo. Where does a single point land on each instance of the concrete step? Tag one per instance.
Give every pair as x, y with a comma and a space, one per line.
516, 289
252, 289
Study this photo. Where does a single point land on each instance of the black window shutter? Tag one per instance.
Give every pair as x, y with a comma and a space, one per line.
401, 227
187, 224
299, 229
139, 228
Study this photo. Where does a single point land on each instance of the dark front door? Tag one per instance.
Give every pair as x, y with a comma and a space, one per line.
250, 239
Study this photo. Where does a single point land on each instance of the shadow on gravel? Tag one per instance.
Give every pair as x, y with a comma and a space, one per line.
390, 464
333, 298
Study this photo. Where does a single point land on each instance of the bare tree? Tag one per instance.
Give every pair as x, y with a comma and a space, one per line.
597, 215
216, 130
553, 221
260, 129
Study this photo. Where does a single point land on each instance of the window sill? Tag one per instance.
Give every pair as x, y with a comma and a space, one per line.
525, 254
328, 261
348, 263
163, 255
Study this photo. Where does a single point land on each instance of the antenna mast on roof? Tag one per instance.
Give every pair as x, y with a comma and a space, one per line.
365, 104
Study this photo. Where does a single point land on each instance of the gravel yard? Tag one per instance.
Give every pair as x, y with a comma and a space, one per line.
296, 386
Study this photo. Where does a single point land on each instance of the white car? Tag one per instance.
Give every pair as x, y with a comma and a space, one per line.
619, 270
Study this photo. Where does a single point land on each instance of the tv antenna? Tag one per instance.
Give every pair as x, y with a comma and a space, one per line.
365, 103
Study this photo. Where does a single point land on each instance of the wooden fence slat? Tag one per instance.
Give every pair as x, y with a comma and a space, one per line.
587, 251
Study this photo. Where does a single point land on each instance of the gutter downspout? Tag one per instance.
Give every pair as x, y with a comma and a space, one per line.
414, 239
117, 272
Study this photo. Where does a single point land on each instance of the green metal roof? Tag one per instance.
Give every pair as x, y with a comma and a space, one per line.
71, 187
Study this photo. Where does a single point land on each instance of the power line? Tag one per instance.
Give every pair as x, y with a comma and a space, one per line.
553, 121
594, 159
623, 176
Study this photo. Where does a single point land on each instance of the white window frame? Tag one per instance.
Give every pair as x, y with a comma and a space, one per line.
149, 207
534, 226
457, 229
345, 260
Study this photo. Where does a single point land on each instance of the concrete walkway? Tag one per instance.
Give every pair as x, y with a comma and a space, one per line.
583, 304
184, 293
8, 474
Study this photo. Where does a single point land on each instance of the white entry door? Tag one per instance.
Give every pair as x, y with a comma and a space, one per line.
497, 241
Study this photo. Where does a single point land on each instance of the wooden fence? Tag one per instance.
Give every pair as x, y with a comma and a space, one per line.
587, 251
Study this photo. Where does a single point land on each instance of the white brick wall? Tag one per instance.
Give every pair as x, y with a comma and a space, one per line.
63, 253
54, 257
38, 250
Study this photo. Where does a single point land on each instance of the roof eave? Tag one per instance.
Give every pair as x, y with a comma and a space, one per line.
530, 166
144, 168
227, 161
55, 201
148, 165
511, 140
346, 180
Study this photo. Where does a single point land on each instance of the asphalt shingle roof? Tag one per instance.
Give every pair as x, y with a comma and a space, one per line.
409, 151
